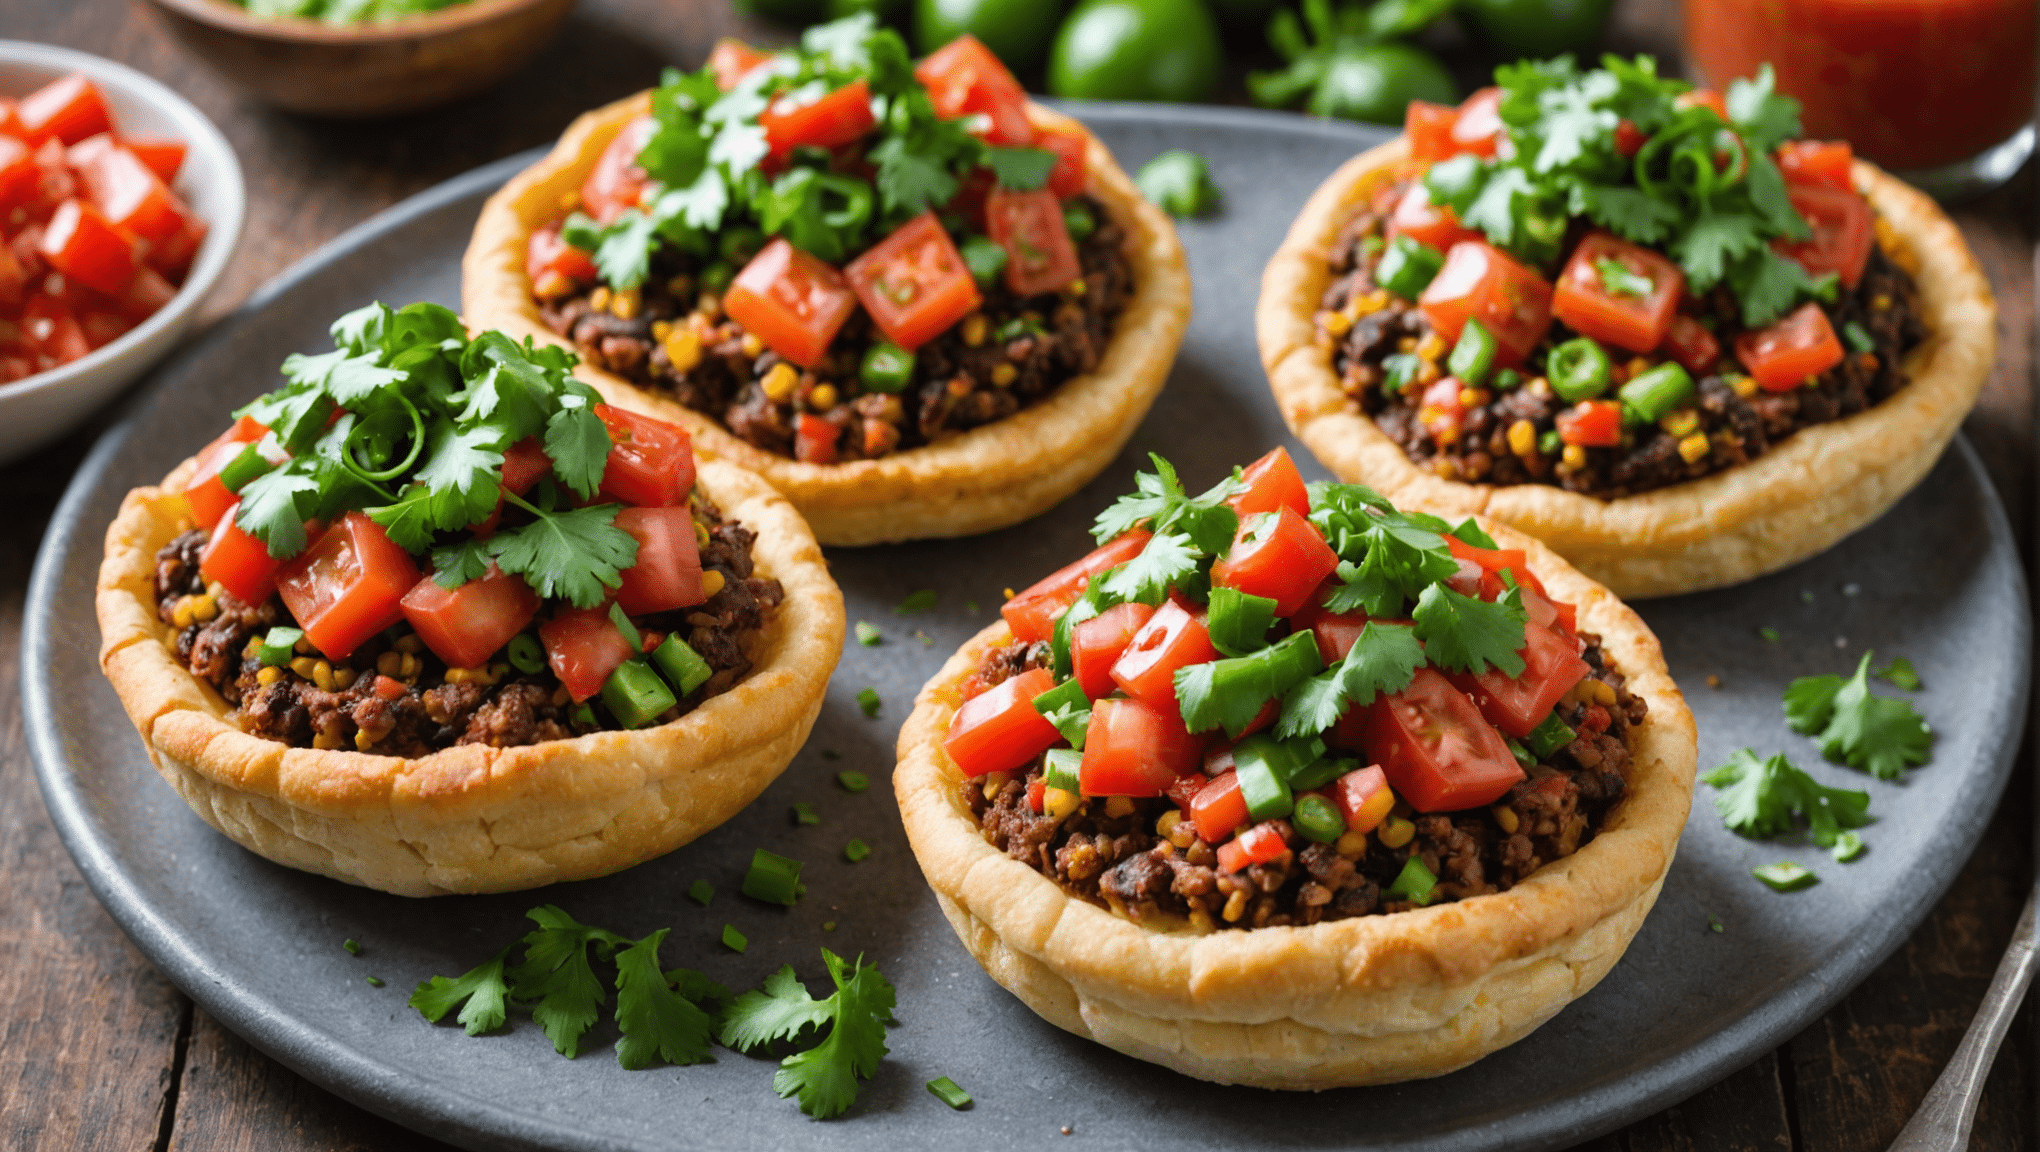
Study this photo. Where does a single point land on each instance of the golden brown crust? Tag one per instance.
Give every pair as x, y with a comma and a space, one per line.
1799, 498
475, 818
1367, 1000
988, 477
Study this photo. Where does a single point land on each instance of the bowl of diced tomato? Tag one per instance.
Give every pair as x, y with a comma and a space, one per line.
119, 206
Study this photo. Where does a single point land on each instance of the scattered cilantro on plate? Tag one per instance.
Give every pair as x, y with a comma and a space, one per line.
1763, 797
1878, 734
824, 1075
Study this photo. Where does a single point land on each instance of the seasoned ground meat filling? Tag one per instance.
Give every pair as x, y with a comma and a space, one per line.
317, 703
1130, 857
674, 338
1503, 437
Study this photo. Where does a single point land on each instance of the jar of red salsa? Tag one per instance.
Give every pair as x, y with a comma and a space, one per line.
1940, 90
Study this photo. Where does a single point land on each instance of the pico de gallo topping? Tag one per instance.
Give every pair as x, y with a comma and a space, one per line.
835, 250
1279, 703
424, 540
1612, 282
96, 239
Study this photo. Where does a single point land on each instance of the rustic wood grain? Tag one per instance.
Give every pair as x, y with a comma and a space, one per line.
106, 1054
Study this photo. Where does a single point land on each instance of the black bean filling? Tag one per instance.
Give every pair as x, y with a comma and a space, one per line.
319, 703
1739, 421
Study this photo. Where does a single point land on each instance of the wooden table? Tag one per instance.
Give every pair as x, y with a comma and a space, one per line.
103, 1052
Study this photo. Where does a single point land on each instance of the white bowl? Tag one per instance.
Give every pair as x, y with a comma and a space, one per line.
43, 407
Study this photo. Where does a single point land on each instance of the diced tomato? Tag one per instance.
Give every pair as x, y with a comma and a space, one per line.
616, 181
83, 245
173, 257
1591, 424
583, 646
141, 296
1438, 751
1629, 139
10, 119
1587, 306
1098, 643
1185, 788
54, 182
1481, 282
1363, 797
20, 175
1440, 411
651, 462
1818, 162
792, 301
1029, 226
164, 157
1782, 356
1279, 555
67, 109
1037, 795
13, 277
999, 729
731, 59
207, 498
50, 331
1070, 175
1556, 615
1690, 343
348, 586
1172, 638
1478, 128
126, 191
914, 283
548, 255
834, 118
1218, 809
390, 688
1517, 705
1133, 748
1428, 127
667, 574
1263, 843
525, 464
239, 562
1843, 230
964, 78
1270, 483
814, 439
465, 626
1031, 615
1336, 633
1492, 559
1702, 98
1436, 225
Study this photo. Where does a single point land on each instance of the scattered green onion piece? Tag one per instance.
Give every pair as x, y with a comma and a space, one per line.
1521, 753
635, 694
715, 278
1414, 883
701, 892
1508, 378
1017, 327
1784, 876
279, 646
1577, 369
733, 939
917, 602
1858, 338
867, 699
1238, 621
1656, 394
1769, 633
243, 468
868, 634
1261, 764
1317, 819
853, 781
926, 640
1320, 773
773, 878
1550, 736
887, 367
1078, 220
682, 665
1847, 847
946, 1091
1714, 924
526, 654
828, 925
1551, 443
584, 715
618, 617
1066, 707
1474, 356
351, 946
856, 850
1407, 267
1063, 768
374, 981
806, 814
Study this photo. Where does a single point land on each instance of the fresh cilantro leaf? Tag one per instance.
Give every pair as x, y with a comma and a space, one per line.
1772, 202
1627, 212
1230, 693
1877, 734
1468, 634
910, 182
1468, 532
1572, 120
1020, 169
411, 521
1810, 703
1899, 672
623, 256
656, 1021
1495, 211
1770, 285
825, 1077
1160, 502
462, 472
778, 1012
481, 990
456, 564
1178, 182
1765, 117
1384, 659
576, 554
1711, 243
578, 443
1167, 559
1761, 798
556, 972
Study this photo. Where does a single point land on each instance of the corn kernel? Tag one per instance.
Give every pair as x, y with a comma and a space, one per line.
1681, 423
1235, 906
1201, 920
1472, 397
1522, 438
1603, 692
1183, 835
712, 582
1075, 289
412, 666
1427, 371
1638, 365
752, 345
1003, 375
1444, 466
683, 348
180, 613
823, 397
253, 646
779, 382
570, 200
326, 741
661, 329
459, 675
700, 534
1397, 832
974, 327
1118, 807
304, 666
1693, 448
1744, 386
960, 386
1881, 302
1574, 456
1431, 347
1334, 323
499, 670
626, 303
304, 647
268, 676
994, 781
1506, 817
1351, 844
390, 664
204, 608
1540, 388
1406, 345
599, 298
362, 740
1057, 804
1369, 304
551, 285
322, 675
408, 642
344, 678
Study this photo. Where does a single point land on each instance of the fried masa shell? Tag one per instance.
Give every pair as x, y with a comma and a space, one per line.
474, 818
1799, 498
984, 478
1366, 1000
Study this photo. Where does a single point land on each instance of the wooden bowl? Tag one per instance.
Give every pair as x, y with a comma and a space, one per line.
360, 71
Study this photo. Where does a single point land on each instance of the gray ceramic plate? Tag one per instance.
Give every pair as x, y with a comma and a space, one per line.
259, 946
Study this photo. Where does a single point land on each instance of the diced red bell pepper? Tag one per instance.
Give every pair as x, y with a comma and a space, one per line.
814, 439
1271, 483
1185, 788
1264, 843
1591, 424
465, 626
651, 462
1132, 748
1784, 355
348, 586
1279, 555
1171, 639
1363, 798
1032, 614
1037, 795
583, 646
999, 729
667, 574
1097, 644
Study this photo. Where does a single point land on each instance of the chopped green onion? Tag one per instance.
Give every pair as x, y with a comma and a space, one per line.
279, 645
374, 981
1847, 847
526, 654
584, 715
1231, 691
1858, 338
1656, 394
1414, 883
1077, 219
1238, 621
1407, 267
733, 939
853, 781
1066, 707
635, 695
1508, 378
773, 878
623, 625
682, 665
1062, 769
701, 892
828, 925
1261, 764
867, 699
946, 1091
1618, 280
1474, 356
1550, 736
1521, 753
918, 602
1769, 633
1320, 773
806, 814
715, 278
1577, 369
1550, 443
926, 640
856, 850
888, 367
868, 634
1317, 819
243, 468
1017, 327
1714, 924
1784, 876
1398, 370
351, 946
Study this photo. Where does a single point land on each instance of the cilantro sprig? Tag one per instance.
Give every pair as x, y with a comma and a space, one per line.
1763, 798
1877, 734
823, 1076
